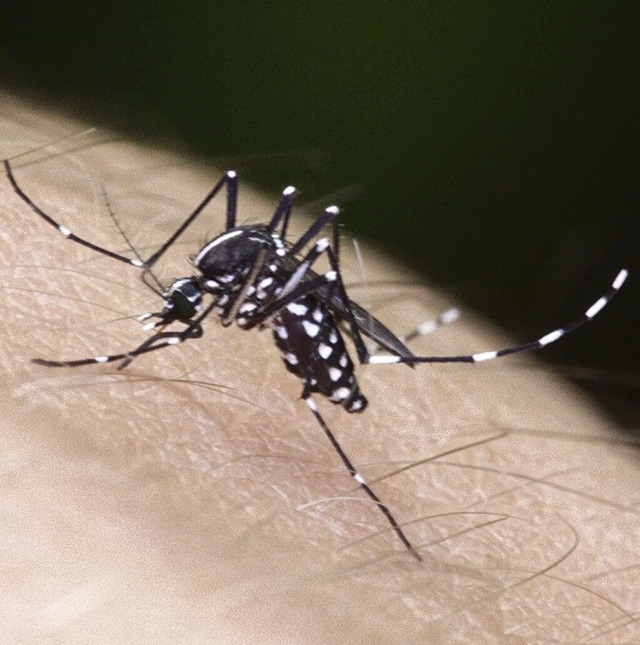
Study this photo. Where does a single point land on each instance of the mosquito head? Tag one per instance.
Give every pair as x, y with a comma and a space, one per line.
183, 300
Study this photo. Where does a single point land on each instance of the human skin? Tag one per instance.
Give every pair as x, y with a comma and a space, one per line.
193, 498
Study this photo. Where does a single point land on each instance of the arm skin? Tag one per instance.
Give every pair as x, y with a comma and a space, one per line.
152, 505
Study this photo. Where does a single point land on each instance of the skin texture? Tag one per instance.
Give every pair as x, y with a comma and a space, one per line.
193, 498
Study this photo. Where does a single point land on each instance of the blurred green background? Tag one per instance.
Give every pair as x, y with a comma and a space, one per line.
491, 146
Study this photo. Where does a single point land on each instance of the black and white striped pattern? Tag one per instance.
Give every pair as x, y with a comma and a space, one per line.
533, 345
253, 276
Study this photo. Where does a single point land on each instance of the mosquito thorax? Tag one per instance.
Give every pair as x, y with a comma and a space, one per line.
232, 254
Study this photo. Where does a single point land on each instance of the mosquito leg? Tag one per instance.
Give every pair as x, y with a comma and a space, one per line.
361, 481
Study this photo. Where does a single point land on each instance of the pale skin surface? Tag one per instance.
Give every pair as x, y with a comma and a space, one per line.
152, 505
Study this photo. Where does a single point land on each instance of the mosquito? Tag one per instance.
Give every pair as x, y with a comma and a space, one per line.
255, 276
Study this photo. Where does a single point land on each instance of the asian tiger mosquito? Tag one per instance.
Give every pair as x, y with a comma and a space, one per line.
256, 277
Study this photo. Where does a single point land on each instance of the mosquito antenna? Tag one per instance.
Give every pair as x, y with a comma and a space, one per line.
147, 270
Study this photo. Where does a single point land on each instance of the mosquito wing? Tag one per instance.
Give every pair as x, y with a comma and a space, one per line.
368, 324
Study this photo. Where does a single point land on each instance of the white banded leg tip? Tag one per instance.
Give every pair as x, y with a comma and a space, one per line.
451, 315
484, 356
551, 337
620, 279
322, 244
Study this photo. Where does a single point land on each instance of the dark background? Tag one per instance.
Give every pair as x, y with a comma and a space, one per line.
492, 147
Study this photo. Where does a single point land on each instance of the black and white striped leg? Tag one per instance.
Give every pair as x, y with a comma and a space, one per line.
361, 481
319, 282
541, 342
283, 212
429, 326
228, 180
425, 328
295, 287
329, 217
356, 317
63, 230
353, 315
160, 340
303, 268
340, 290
